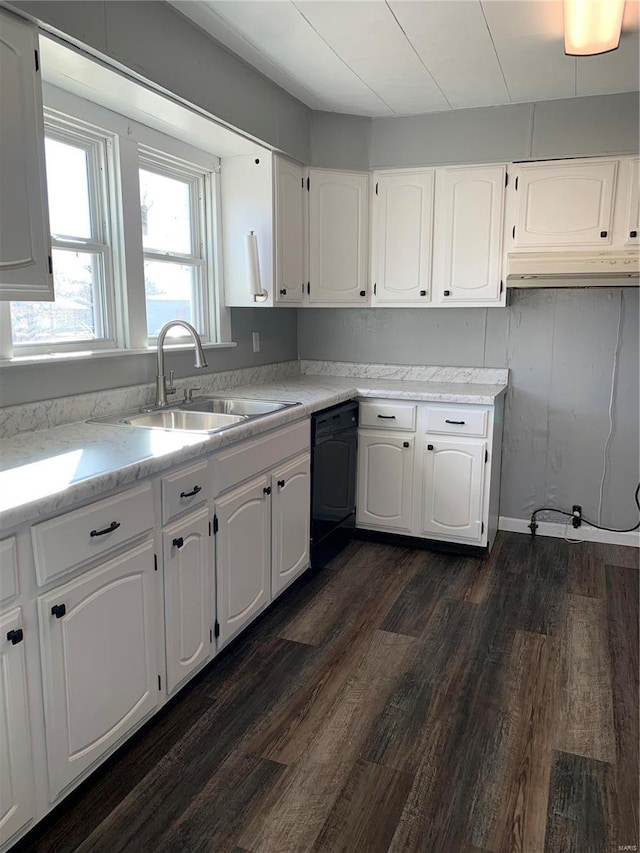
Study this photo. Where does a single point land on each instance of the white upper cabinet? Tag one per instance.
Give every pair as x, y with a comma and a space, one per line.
402, 209
564, 204
25, 244
290, 197
632, 220
338, 237
468, 235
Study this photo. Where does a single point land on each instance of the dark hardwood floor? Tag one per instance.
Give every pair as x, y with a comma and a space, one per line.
398, 700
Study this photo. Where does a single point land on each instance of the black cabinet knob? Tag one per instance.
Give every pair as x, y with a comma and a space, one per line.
178, 542
447, 293
281, 484
603, 233
363, 293
423, 293
633, 233
283, 291
405, 444
429, 446
16, 636
267, 490
58, 610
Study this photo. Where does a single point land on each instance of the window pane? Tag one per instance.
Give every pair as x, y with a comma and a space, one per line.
170, 290
74, 316
166, 213
68, 189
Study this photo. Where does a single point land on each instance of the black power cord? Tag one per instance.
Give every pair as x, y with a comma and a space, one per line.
533, 526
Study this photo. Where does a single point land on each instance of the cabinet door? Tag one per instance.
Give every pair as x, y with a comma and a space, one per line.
632, 230
189, 616
385, 480
402, 236
290, 517
290, 195
564, 204
98, 641
25, 244
16, 781
453, 479
338, 226
243, 552
468, 234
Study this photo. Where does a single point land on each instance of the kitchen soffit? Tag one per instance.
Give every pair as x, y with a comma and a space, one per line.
377, 58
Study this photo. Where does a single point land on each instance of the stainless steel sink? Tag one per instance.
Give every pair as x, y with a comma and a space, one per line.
202, 414
229, 405
181, 420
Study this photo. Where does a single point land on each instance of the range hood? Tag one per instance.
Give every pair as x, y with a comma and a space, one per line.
573, 269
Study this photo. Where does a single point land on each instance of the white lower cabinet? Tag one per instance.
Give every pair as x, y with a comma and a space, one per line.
385, 480
98, 641
452, 488
16, 774
243, 545
290, 521
439, 479
189, 608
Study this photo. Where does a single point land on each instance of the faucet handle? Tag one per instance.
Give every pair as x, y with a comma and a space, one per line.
171, 389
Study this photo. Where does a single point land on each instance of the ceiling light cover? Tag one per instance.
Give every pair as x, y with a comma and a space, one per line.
592, 26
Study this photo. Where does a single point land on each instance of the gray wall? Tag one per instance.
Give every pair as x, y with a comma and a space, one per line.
154, 40
42, 381
559, 344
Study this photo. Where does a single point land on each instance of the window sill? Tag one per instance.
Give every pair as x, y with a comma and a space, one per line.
90, 355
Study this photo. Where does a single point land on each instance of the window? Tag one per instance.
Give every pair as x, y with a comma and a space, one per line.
173, 216
83, 311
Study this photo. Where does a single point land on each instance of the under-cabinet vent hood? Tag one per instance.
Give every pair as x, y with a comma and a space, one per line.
573, 269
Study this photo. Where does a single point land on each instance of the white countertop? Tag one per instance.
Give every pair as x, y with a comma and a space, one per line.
49, 470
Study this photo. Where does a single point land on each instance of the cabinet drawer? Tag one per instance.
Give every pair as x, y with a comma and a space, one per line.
184, 489
63, 543
388, 415
8, 569
458, 421
239, 462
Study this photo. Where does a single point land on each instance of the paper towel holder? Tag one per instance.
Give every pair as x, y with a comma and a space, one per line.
253, 269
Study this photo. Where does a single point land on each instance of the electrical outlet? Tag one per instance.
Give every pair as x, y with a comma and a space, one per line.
256, 341
577, 515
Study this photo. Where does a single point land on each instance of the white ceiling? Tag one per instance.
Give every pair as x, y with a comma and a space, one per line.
401, 57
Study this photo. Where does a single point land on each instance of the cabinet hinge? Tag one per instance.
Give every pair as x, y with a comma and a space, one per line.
376, 188
216, 629
211, 635
308, 184
513, 233
501, 286
375, 287
159, 682
308, 288
210, 529
516, 186
215, 524
37, 60
302, 182
486, 456
506, 179
50, 266
155, 562
482, 528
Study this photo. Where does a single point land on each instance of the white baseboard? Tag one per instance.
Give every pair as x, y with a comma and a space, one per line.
558, 530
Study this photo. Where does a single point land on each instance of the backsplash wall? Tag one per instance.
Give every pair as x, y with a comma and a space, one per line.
560, 346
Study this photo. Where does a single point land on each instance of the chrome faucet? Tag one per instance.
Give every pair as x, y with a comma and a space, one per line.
201, 361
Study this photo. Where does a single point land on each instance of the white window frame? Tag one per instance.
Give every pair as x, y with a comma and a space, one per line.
98, 145
202, 236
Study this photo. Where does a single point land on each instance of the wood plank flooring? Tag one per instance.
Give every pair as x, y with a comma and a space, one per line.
398, 700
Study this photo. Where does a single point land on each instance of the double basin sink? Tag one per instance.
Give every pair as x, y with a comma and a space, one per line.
202, 414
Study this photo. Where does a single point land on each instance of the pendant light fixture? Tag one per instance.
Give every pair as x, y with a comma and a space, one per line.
592, 26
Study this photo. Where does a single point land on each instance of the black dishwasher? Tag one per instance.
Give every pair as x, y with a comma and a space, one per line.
334, 443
